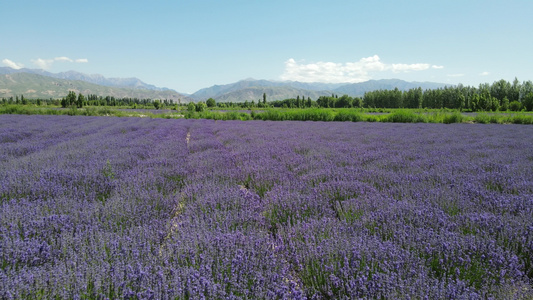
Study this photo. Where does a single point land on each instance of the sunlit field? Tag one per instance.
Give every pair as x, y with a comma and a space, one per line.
105, 207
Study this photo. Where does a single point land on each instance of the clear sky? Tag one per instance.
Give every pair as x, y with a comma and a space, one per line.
188, 45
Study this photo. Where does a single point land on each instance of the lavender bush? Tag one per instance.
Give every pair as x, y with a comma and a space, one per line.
136, 208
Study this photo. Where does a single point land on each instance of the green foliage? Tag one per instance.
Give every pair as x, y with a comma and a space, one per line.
80, 101
352, 116
486, 119
344, 101
446, 116
200, 106
453, 118
157, 104
211, 102
515, 106
313, 114
214, 115
69, 100
404, 116
528, 101
191, 107
107, 171
505, 104
520, 119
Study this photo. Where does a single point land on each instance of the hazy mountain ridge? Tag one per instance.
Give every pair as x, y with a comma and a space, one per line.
57, 85
40, 86
255, 93
219, 91
131, 82
250, 89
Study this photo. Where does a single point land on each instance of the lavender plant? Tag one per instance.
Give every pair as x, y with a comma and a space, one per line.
136, 208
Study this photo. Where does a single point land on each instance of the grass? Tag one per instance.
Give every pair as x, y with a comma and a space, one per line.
445, 116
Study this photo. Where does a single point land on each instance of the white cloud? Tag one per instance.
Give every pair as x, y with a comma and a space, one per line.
43, 63
12, 64
63, 58
358, 71
484, 73
437, 67
396, 68
47, 63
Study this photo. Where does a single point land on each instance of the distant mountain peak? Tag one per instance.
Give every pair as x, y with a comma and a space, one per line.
39, 85
130, 82
252, 88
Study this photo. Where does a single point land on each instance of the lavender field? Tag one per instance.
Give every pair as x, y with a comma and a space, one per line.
138, 208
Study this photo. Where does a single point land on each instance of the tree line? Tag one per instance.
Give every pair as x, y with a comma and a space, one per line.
501, 95
79, 100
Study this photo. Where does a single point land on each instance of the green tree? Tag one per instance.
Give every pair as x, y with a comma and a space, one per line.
505, 104
413, 98
493, 104
525, 89
357, 102
191, 107
514, 94
201, 106
500, 89
515, 106
157, 104
344, 101
80, 101
211, 102
528, 102
70, 100
461, 100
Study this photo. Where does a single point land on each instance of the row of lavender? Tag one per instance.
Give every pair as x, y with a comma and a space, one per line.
96, 207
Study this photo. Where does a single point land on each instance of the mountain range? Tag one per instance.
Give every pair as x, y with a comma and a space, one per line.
33, 83
41, 84
98, 79
251, 89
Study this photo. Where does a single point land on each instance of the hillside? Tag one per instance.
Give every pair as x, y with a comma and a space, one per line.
35, 83
39, 86
309, 88
251, 89
255, 93
131, 82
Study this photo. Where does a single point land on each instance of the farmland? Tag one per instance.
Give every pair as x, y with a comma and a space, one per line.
104, 207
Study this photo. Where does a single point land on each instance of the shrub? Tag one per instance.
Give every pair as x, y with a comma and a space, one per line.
404, 116
191, 107
453, 118
200, 106
348, 116
515, 106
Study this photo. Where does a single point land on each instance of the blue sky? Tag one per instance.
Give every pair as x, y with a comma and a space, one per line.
188, 45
